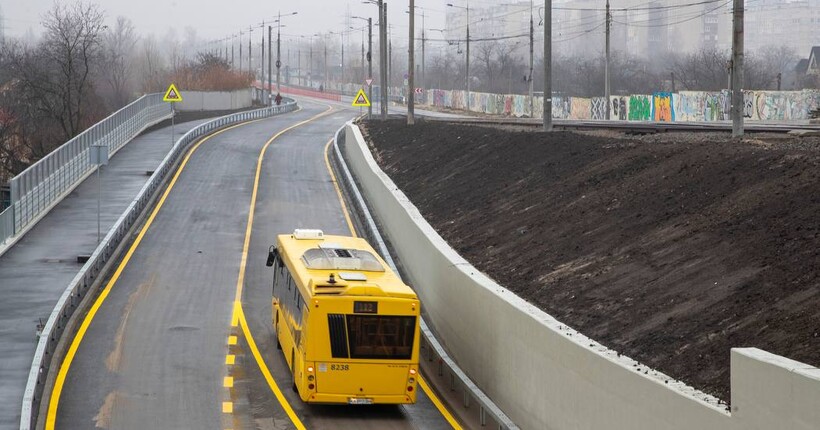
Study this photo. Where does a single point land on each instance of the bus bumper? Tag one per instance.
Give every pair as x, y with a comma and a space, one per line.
409, 398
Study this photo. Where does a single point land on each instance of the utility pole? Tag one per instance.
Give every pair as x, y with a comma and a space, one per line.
370, 66
468, 57
263, 57
383, 58
607, 90
532, 61
737, 69
240, 51
411, 68
423, 56
548, 65
270, 70
326, 80
250, 55
342, 34
278, 53
232, 63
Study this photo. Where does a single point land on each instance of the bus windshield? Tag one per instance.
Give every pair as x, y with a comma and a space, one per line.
381, 337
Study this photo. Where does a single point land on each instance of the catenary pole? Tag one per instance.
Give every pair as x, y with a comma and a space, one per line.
737, 69
411, 67
370, 66
547, 115
607, 89
532, 61
383, 60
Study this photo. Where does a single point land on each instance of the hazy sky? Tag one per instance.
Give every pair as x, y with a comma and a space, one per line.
218, 18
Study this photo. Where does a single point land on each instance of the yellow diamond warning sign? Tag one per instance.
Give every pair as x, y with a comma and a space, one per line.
172, 95
361, 100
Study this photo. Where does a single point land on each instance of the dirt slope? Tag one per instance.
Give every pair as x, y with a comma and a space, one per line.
668, 248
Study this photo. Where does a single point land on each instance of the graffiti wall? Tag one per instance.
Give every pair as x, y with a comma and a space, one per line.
640, 108
618, 108
660, 106
662, 109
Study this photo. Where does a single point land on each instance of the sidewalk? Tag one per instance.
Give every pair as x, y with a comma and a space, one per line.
35, 271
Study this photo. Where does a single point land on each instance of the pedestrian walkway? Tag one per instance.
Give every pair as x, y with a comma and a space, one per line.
35, 271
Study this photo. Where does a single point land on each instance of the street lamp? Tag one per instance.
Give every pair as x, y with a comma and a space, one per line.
467, 8
382, 53
369, 80
423, 43
278, 47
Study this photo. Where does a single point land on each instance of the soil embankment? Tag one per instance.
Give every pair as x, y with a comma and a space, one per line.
669, 248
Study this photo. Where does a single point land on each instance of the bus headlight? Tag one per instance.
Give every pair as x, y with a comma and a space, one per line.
409, 381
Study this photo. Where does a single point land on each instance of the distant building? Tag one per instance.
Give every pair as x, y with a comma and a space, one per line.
2, 26
793, 23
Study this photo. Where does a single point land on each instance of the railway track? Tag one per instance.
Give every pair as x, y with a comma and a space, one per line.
629, 127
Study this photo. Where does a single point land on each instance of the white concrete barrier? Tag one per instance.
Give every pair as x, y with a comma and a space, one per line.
215, 100
545, 375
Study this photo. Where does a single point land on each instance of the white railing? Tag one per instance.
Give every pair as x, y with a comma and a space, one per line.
35, 191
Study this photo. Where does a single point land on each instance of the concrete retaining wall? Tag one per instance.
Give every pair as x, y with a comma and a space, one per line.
545, 375
215, 100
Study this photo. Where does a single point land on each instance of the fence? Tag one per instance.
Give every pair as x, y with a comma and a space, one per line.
215, 100
38, 188
80, 285
432, 349
700, 106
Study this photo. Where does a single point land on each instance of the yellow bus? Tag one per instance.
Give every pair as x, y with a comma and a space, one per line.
346, 324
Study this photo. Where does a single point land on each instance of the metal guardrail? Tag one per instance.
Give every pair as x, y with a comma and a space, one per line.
91, 271
38, 187
431, 346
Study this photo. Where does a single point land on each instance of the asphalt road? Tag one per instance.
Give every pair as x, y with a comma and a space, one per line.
37, 269
155, 354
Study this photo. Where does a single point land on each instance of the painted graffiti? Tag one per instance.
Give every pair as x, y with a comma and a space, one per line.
599, 108
662, 107
682, 106
640, 108
618, 109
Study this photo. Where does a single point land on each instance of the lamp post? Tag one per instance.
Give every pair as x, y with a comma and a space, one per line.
278, 47
423, 80
369, 64
467, 8
382, 54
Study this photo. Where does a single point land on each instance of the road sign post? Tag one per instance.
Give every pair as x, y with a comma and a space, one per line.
98, 155
172, 96
361, 99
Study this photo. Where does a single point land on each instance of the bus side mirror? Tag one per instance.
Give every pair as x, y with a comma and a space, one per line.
271, 256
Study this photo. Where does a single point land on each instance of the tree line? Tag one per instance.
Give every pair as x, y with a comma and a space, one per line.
80, 70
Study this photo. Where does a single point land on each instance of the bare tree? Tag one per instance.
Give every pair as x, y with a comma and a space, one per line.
70, 48
119, 43
150, 66
705, 70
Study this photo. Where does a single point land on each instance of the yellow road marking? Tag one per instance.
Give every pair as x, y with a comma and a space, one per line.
232, 340
439, 405
240, 281
339, 191
227, 407
230, 359
238, 316
227, 382
51, 416
430, 393
266, 373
